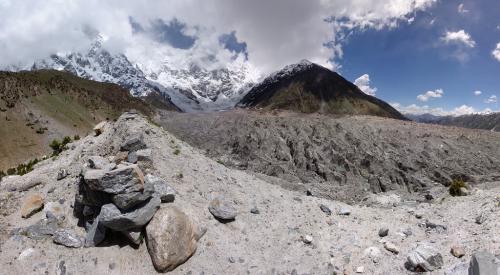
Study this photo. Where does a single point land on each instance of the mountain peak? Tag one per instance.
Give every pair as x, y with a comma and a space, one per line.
309, 88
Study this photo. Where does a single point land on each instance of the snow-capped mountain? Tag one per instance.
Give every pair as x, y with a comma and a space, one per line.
191, 89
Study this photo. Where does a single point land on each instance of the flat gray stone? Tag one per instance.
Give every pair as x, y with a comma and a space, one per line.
121, 180
425, 258
222, 209
67, 238
483, 263
128, 200
111, 217
42, 229
95, 234
132, 157
161, 188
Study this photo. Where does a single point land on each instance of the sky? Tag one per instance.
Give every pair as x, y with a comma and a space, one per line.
421, 56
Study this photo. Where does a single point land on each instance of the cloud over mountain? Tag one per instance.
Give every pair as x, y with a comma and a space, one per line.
275, 33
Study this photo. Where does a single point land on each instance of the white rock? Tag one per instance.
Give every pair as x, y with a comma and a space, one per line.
391, 247
25, 254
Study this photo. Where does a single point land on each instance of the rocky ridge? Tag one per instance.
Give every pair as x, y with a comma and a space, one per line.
312, 235
343, 158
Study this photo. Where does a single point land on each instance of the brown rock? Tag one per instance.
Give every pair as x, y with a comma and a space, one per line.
171, 238
31, 205
457, 251
121, 156
99, 128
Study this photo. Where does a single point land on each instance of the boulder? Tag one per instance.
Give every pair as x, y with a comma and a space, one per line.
111, 217
161, 188
121, 180
67, 238
222, 209
98, 162
31, 205
483, 263
95, 234
424, 258
171, 238
133, 144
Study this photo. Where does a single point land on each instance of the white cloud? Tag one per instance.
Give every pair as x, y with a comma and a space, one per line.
277, 32
414, 109
462, 9
430, 94
459, 37
477, 92
496, 52
363, 83
491, 99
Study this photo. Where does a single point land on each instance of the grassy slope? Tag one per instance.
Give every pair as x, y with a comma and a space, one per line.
58, 101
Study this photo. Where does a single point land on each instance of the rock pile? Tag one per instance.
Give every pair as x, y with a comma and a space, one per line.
118, 198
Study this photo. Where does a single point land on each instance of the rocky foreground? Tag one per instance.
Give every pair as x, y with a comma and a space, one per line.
136, 200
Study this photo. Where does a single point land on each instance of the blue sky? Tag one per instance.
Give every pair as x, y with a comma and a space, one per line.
413, 58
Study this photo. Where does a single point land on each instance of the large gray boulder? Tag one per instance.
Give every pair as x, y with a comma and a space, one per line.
425, 258
124, 179
111, 217
171, 238
483, 263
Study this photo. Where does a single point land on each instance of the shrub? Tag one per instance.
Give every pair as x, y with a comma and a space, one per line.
11, 171
177, 151
455, 187
58, 147
76, 137
66, 140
